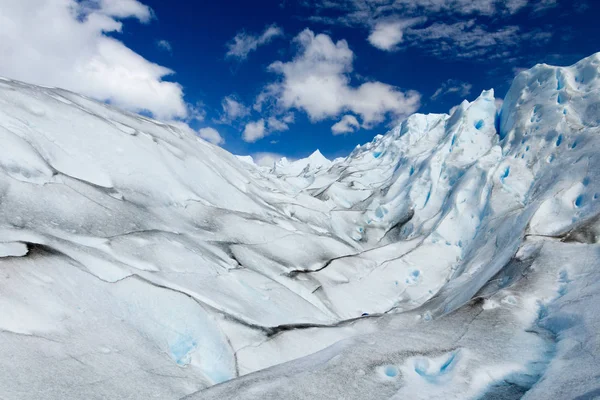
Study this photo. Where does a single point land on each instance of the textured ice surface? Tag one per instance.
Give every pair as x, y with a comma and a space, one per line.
456, 256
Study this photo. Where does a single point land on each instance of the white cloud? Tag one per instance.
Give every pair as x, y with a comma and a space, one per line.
289, 118
462, 37
365, 12
317, 81
211, 135
196, 112
279, 125
388, 33
466, 39
164, 45
254, 131
64, 43
243, 44
543, 5
233, 109
347, 124
121, 8
452, 86
268, 97
266, 159
276, 125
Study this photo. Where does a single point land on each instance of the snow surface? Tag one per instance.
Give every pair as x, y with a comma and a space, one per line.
457, 256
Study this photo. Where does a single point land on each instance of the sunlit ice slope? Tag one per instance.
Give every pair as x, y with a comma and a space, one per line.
454, 257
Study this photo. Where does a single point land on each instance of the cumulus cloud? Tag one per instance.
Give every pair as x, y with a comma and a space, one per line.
452, 86
386, 34
211, 135
243, 43
254, 131
164, 45
280, 124
317, 81
120, 8
65, 43
277, 125
233, 109
347, 124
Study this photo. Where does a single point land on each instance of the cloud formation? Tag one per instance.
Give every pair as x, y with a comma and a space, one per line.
467, 39
386, 34
452, 86
211, 135
119, 9
243, 43
441, 27
347, 124
280, 125
165, 45
254, 131
233, 109
367, 12
65, 43
317, 81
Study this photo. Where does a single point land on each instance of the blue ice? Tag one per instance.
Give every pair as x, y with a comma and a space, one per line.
390, 371
559, 85
505, 174
181, 349
423, 368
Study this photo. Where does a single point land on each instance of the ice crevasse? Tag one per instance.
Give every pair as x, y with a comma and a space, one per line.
456, 256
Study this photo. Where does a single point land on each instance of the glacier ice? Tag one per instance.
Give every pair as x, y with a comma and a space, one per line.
456, 256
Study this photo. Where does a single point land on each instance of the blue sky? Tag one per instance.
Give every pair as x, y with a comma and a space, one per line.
283, 76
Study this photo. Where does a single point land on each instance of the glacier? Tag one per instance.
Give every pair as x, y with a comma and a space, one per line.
456, 256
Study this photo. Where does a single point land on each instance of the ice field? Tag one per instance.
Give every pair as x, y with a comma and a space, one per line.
456, 256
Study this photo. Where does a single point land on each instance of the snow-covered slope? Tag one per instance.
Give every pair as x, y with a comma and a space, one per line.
456, 256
